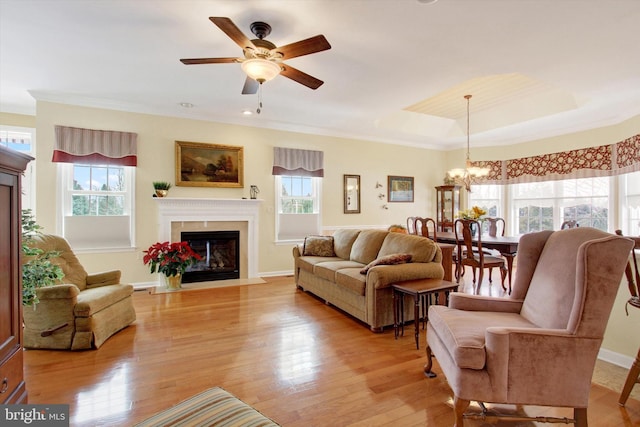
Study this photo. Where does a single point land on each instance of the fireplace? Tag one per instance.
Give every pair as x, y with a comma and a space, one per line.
220, 252
177, 215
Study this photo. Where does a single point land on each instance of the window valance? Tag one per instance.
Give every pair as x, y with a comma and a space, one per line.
76, 145
293, 161
605, 160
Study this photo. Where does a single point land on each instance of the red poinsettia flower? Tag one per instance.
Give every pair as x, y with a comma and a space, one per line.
170, 259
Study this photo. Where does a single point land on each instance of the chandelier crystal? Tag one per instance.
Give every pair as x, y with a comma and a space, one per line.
467, 175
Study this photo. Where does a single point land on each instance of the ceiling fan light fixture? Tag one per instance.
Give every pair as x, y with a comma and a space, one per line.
261, 70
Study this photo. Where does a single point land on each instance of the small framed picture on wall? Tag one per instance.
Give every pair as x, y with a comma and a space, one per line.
351, 194
400, 188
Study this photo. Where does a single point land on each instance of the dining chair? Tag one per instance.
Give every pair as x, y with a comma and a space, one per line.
421, 227
495, 227
470, 253
633, 281
569, 224
411, 225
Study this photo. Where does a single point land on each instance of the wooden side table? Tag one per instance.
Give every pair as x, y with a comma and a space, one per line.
422, 290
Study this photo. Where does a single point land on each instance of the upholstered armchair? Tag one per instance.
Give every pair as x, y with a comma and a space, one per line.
81, 313
539, 346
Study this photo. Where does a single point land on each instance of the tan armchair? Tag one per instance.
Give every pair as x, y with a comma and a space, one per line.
539, 346
81, 313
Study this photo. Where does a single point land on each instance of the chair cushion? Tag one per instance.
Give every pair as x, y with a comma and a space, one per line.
463, 332
91, 301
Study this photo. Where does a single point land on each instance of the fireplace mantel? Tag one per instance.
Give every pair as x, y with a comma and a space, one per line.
180, 209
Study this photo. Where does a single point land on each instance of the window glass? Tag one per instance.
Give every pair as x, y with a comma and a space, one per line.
23, 140
298, 201
630, 209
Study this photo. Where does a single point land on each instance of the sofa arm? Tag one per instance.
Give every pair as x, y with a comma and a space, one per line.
468, 302
297, 251
383, 276
104, 278
65, 291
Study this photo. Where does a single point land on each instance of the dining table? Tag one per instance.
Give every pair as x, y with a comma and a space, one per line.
506, 245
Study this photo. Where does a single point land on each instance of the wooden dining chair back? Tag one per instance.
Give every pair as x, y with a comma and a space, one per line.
411, 225
425, 227
469, 241
494, 225
632, 273
569, 224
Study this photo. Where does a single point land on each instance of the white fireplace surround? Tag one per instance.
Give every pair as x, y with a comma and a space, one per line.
178, 209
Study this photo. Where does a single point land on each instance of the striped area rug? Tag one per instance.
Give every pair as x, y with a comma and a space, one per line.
213, 407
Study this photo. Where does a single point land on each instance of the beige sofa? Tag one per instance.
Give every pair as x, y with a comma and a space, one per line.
334, 273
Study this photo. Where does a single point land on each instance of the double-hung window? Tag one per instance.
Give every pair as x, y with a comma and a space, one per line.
298, 180
97, 181
22, 140
97, 205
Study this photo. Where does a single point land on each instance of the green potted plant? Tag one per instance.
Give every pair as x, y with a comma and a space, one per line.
170, 259
37, 269
161, 187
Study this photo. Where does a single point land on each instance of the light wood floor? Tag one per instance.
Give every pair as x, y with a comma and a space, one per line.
283, 351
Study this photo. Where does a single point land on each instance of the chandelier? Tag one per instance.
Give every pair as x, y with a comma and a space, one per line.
467, 175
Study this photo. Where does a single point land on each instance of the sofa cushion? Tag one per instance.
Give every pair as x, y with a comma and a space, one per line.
387, 260
318, 246
91, 301
343, 241
308, 262
351, 279
365, 248
463, 332
420, 248
327, 270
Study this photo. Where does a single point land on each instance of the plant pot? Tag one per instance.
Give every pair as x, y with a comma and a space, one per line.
173, 283
162, 193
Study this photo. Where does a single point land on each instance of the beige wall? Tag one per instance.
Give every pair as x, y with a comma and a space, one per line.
372, 161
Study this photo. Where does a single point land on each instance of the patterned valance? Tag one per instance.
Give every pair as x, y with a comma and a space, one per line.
296, 162
76, 145
605, 160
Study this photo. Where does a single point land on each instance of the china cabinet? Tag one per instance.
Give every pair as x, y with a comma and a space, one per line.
12, 386
447, 205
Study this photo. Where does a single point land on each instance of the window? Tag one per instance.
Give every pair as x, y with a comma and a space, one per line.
22, 139
630, 209
97, 205
545, 205
298, 202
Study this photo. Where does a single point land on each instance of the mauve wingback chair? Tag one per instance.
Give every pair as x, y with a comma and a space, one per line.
539, 346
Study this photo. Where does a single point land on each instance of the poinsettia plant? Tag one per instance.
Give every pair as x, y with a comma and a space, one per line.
170, 259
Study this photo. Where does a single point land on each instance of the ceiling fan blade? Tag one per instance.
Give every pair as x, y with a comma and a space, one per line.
250, 86
231, 30
300, 77
192, 61
303, 47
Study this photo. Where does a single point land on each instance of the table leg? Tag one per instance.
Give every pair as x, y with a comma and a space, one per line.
395, 313
509, 258
416, 319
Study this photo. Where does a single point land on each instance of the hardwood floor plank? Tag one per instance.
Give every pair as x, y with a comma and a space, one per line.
289, 355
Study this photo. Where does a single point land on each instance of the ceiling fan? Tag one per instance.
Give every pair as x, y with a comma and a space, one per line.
262, 59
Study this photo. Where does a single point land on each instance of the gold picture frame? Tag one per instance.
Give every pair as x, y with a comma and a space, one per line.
351, 194
400, 188
209, 165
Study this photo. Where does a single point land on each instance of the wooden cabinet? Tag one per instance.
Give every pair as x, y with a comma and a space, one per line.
12, 386
447, 205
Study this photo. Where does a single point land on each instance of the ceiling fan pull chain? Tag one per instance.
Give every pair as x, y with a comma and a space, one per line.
259, 99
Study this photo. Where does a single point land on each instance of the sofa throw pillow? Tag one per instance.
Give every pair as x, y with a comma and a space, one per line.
318, 246
387, 260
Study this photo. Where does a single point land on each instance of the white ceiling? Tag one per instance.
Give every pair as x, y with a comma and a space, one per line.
535, 68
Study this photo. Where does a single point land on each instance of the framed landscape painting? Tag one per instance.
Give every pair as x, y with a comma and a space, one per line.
209, 165
400, 188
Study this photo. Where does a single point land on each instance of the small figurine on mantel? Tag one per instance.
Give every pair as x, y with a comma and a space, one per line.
254, 191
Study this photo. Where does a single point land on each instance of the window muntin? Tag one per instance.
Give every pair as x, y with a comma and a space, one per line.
298, 195
99, 190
